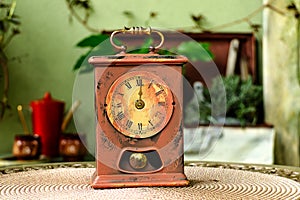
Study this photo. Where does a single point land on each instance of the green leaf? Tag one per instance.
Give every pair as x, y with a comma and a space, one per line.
128, 14
92, 40
167, 51
144, 48
15, 21
3, 25
195, 51
79, 62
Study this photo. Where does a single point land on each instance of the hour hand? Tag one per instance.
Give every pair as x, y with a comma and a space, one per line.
140, 104
140, 93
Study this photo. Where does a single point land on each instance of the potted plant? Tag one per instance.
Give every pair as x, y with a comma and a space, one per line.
9, 28
243, 100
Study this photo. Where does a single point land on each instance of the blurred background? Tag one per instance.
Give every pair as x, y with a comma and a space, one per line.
42, 54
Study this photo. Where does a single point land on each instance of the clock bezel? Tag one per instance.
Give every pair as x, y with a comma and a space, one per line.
114, 88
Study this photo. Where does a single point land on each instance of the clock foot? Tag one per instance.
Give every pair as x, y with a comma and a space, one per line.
139, 180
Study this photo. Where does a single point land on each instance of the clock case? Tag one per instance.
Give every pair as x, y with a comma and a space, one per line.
164, 151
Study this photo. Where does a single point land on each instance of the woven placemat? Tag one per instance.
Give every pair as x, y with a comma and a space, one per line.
205, 183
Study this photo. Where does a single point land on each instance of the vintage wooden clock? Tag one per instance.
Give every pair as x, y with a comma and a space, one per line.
139, 130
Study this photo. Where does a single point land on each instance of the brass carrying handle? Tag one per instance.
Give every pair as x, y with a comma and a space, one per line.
136, 31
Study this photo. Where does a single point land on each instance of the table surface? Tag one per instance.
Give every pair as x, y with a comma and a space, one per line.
208, 180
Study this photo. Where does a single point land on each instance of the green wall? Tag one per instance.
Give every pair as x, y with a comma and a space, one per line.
46, 47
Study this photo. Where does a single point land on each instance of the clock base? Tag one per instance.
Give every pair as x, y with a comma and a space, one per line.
139, 180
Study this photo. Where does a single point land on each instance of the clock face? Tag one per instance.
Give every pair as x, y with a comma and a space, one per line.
139, 104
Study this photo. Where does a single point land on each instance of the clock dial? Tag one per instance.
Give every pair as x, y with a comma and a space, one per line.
139, 104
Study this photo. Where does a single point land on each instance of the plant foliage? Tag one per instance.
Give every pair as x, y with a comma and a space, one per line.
194, 51
243, 98
9, 28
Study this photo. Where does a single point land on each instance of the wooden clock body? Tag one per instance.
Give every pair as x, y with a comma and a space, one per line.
163, 151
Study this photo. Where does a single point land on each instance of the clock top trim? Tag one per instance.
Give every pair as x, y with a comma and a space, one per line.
123, 59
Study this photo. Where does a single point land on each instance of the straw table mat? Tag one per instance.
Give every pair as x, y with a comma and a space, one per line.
207, 181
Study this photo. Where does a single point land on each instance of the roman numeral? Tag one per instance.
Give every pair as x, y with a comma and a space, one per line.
129, 123
140, 126
139, 82
150, 122
159, 92
162, 103
150, 84
128, 85
120, 115
119, 105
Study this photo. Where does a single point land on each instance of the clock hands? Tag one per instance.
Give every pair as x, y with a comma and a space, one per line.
140, 93
140, 104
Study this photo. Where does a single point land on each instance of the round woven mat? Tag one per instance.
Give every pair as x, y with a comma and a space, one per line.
205, 183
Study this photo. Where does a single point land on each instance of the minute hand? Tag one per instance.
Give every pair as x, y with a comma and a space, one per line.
140, 93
